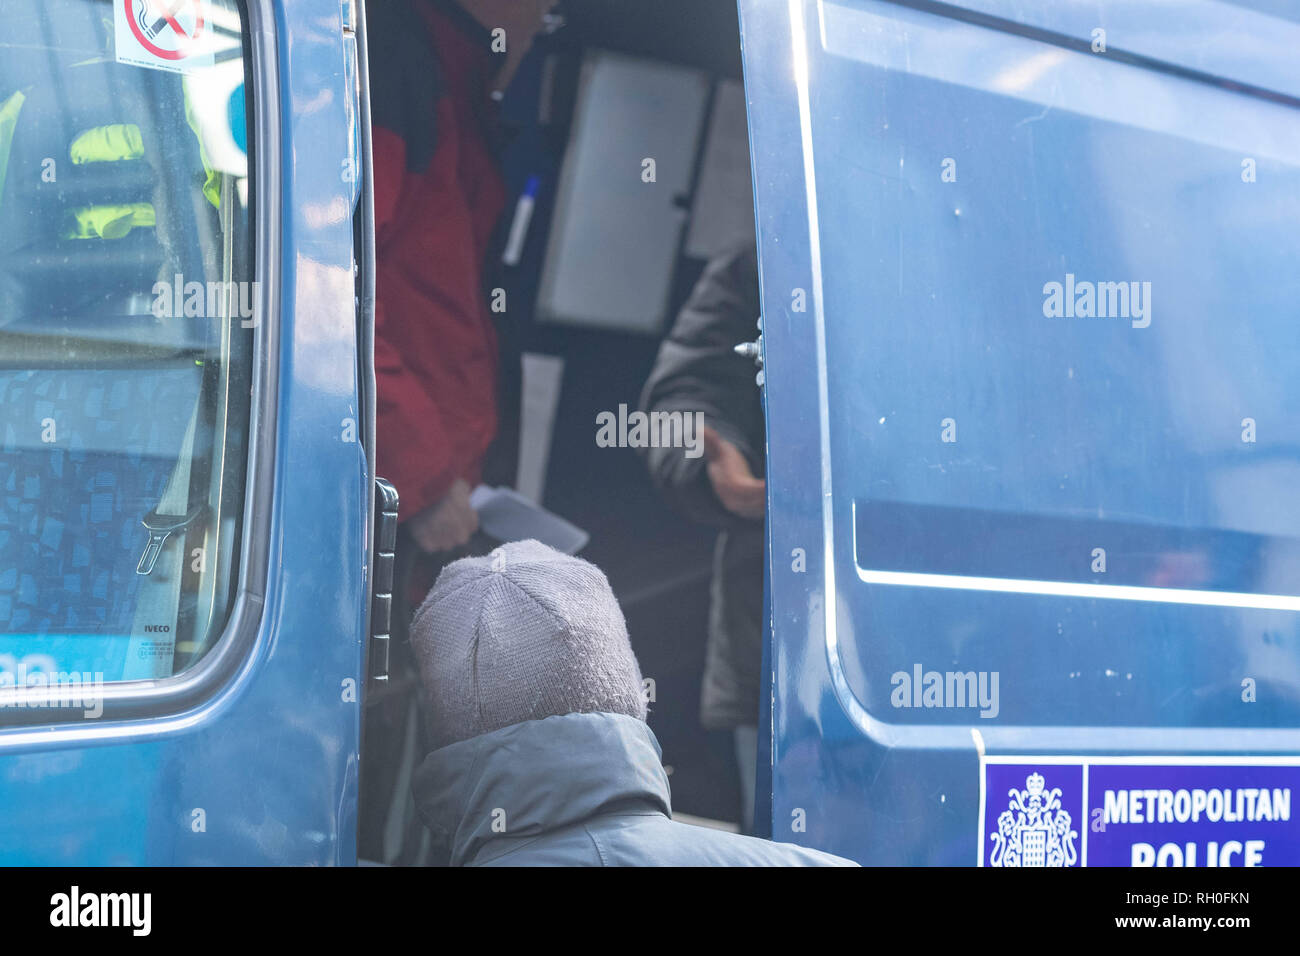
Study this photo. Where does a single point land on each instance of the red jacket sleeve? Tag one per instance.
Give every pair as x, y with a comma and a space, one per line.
414, 447
437, 197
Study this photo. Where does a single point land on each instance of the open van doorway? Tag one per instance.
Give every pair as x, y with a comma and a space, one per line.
621, 149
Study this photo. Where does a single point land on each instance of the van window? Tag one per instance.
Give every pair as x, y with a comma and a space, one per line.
128, 313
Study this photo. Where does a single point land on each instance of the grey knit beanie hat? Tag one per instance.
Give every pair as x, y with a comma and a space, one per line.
523, 633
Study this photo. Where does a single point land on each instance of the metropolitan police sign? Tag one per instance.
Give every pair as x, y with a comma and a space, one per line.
1138, 811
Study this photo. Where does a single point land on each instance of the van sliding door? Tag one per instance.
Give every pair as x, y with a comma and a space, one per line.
1030, 319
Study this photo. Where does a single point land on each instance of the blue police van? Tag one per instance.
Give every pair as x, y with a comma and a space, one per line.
1030, 324
1029, 353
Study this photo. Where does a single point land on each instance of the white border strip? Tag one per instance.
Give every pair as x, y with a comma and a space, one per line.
1242, 760
1110, 592
1084, 823
856, 713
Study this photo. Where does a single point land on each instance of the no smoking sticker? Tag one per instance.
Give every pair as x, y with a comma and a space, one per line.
167, 35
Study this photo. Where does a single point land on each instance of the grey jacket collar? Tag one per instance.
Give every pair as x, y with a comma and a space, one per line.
537, 776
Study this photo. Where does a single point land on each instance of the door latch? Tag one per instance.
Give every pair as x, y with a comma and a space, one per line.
754, 350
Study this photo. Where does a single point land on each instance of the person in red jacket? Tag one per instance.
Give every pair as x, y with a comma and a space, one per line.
438, 196
436, 69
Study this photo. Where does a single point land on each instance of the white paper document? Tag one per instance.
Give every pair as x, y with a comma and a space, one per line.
506, 515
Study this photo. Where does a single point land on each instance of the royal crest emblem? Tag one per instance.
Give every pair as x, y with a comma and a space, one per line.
1034, 830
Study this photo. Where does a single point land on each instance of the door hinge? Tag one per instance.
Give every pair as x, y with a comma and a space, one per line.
381, 601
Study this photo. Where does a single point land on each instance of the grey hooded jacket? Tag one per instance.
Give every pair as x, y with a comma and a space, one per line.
577, 790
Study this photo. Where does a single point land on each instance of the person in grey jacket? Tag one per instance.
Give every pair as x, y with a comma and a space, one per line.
697, 370
537, 712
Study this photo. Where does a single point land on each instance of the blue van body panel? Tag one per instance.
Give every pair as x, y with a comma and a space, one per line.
265, 770
968, 476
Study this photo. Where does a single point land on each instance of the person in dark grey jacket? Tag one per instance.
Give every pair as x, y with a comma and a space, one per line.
698, 370
537, 712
